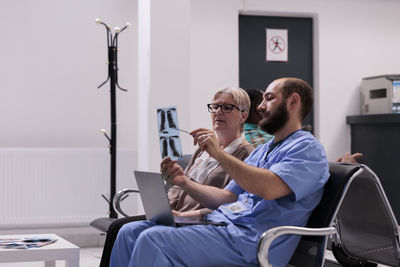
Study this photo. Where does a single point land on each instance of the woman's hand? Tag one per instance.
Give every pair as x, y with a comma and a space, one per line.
176, 213
172, 172
191, 213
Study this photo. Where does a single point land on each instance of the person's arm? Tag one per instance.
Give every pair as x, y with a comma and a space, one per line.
208, 196
174, 193
173, 196
258, 181
193, 213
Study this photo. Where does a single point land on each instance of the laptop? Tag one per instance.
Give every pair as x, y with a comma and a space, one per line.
156, 204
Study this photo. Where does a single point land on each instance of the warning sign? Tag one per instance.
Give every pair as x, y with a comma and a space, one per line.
276, 45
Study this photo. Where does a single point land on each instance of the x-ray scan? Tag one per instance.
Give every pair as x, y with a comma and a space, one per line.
170, 142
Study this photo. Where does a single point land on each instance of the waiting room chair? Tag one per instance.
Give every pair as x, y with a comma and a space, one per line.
103, 223
355, 212
367, 229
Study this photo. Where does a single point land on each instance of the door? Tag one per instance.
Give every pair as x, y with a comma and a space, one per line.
256, 72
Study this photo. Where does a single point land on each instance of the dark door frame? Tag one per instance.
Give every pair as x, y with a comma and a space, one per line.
315, 29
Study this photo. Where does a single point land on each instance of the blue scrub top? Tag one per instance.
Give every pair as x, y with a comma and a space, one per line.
300, 161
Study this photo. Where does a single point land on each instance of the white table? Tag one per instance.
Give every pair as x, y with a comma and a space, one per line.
60, 250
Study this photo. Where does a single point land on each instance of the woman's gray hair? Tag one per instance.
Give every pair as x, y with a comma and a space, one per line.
240, 97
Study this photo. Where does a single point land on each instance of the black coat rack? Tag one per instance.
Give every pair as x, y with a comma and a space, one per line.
112, 46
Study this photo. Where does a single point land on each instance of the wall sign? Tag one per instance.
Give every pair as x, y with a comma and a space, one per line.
277, 45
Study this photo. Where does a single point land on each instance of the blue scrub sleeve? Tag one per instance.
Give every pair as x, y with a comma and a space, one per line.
303, 169
234, 188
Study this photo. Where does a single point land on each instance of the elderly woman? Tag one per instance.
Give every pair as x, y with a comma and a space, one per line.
229, 109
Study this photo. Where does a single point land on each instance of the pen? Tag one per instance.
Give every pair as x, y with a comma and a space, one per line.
183, 131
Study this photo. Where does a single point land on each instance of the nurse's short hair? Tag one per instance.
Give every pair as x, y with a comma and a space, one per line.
303, 89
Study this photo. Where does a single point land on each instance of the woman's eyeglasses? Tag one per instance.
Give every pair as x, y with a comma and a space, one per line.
225, 108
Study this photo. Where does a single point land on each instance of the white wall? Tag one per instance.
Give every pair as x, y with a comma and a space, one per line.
356, 39
214, 54
165, 55
53, 57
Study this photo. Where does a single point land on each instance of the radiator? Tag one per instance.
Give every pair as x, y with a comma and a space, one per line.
59, 186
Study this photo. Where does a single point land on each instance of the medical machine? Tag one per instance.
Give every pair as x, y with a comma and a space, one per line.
380, 94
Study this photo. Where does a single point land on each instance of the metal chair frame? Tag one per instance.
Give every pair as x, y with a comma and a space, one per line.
323, 229
103, 223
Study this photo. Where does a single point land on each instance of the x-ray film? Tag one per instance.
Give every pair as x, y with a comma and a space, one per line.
170, 142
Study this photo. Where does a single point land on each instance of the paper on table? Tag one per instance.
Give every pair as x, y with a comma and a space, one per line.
25, 243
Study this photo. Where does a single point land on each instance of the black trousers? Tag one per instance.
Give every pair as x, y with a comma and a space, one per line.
112, 233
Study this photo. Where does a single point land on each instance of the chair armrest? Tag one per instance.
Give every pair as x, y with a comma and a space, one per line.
269, 236
121, 195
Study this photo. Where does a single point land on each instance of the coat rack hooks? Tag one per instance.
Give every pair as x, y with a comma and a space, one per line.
112, 48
